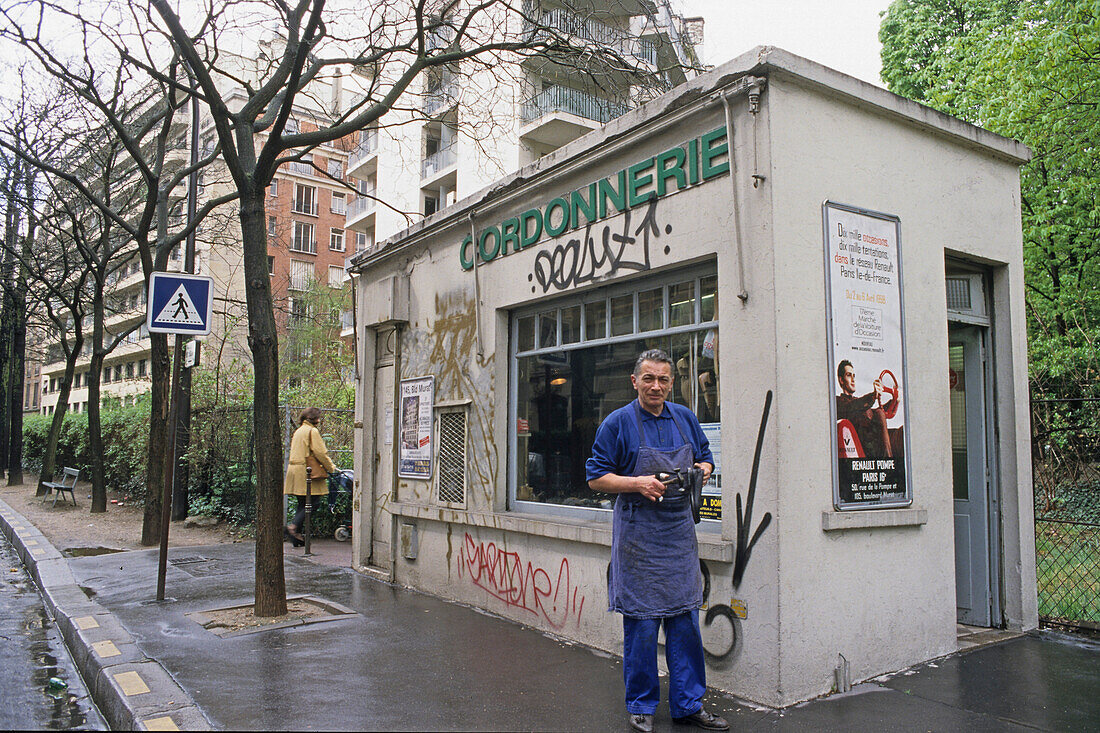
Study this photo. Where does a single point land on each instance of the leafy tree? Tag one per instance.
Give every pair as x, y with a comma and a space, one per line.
1029, 70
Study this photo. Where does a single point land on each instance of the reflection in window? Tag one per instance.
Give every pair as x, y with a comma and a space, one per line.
564, 391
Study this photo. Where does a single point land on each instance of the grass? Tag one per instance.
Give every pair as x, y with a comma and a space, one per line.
1067, 557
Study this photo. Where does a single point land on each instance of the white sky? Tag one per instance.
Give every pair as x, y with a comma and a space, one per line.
842, 34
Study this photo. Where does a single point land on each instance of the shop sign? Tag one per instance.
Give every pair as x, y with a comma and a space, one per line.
868, 434
700, 159
415, 439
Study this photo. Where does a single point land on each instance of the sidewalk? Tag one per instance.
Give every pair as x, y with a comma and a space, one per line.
402, 660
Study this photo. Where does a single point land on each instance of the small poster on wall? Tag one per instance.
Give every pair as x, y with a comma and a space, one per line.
712, 492
415, 428
866, 358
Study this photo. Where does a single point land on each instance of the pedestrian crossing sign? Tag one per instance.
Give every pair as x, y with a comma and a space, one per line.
179, 303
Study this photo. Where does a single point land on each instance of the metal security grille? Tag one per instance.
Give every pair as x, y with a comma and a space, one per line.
452, 457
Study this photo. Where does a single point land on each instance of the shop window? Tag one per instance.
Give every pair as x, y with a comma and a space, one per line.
451, 476
571, 365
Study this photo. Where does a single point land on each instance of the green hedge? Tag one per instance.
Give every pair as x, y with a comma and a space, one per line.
125, 445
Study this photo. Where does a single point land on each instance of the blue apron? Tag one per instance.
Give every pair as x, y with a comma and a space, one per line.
654, 569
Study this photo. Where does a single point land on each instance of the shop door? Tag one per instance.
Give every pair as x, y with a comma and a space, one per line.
974, 574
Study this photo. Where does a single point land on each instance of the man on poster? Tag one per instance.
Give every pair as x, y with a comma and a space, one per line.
866, 413
654, 574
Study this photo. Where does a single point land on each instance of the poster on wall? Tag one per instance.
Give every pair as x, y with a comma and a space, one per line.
866, 358
415, 428
712, 492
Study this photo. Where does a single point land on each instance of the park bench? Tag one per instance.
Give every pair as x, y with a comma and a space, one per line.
67, 483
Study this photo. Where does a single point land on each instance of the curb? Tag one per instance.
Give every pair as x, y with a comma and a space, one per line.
132, 691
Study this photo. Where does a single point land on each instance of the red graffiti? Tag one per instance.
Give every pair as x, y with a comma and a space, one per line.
505, 576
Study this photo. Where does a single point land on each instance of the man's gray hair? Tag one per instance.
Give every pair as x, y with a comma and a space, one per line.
656, 355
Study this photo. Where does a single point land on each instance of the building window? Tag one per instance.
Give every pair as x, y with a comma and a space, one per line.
273, 188
305, 200
571, 365
336, 239
431, 205
300, 274
270, 265
130, 370
363, 240
303, 240
335, 168
272, 223
297, 311
142, 366
335, 276
339, 203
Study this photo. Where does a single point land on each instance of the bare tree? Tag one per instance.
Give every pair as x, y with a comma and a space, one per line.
255, 63
139, 113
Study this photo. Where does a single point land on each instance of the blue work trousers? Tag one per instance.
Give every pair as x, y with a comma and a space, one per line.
687, 681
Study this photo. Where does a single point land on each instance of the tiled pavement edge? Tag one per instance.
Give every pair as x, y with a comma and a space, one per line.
132, 691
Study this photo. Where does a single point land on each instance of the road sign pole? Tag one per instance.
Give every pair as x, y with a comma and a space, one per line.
169, 464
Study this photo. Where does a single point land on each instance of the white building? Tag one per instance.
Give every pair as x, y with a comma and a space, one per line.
818, 224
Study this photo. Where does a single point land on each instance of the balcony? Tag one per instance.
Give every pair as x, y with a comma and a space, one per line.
301, 168
438, 162
558, 115
359, 212
593, 32
365, 152
442, 96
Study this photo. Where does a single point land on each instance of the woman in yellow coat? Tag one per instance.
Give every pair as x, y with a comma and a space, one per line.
307, 447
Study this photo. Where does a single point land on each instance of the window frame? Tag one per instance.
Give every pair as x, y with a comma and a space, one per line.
696, 273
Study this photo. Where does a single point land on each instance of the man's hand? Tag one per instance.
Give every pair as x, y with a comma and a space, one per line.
708, 469
649, 487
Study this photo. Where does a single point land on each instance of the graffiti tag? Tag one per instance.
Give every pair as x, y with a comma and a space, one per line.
504, 575
743, 548
580, 261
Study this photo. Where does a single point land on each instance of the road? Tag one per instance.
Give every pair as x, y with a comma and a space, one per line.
33, 652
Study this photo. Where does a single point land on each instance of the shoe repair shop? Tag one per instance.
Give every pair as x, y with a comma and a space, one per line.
837, 275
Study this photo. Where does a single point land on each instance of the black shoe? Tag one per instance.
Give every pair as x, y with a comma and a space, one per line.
704, 720
641, 722
294, 541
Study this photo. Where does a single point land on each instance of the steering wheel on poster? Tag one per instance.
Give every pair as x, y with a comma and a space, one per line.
890, 387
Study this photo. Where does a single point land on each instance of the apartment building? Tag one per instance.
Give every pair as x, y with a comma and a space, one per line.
466, 126
474, 124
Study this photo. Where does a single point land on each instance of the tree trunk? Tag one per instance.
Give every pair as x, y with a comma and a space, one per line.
49, 456
160, 373
264, 343
95, 426
18, 376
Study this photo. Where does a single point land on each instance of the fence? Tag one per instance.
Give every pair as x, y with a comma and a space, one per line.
1065, 439
222, 456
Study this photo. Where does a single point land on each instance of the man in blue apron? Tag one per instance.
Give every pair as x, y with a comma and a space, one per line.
654, 576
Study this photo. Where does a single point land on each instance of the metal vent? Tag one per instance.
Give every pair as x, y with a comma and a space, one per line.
958, 294
452, 457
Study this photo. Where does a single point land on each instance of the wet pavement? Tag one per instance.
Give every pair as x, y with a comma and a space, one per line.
410, 661
402, 660
33, 652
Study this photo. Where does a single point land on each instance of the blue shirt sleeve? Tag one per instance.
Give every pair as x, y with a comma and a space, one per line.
610, 449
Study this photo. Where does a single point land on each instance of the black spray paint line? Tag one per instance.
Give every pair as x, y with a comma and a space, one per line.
713, 612
579, 261
744, 545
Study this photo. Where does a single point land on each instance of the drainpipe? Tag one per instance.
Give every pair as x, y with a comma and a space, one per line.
752, 86
477, 285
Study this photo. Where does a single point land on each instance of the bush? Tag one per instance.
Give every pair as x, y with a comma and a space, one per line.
125, 445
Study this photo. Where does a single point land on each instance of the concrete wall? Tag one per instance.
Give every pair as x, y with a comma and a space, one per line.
881, 593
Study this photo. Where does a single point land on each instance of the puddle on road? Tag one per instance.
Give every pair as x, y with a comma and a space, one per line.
88, 551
